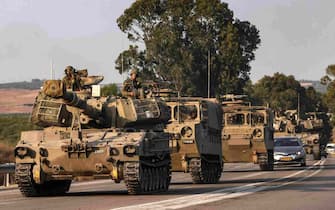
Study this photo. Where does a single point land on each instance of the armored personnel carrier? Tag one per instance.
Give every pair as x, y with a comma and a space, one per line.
95, 137
196, 138
287, 123
247, 134
315, 133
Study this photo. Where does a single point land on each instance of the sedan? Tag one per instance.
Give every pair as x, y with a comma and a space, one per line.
289, 150
330, 149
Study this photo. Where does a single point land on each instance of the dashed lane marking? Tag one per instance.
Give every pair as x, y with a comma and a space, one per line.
208, 197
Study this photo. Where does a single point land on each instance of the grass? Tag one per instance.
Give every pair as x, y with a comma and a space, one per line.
6, 154
11, 126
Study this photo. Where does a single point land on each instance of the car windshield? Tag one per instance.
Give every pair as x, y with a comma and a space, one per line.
330, 146
286, 143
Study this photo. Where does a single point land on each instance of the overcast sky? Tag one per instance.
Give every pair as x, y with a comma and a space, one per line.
297, 37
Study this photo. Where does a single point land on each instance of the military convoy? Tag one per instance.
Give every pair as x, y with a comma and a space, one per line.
140, 140
97, 137
195, 142
247, 134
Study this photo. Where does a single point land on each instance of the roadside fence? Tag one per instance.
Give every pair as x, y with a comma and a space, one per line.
5, 170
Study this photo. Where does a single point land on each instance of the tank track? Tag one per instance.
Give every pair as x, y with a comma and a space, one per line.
140, 178
28, 187
203, 172
23, 177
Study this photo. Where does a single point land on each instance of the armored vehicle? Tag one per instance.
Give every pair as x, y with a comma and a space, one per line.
247, 134
315, 133
196, 138
94, 137
286, 123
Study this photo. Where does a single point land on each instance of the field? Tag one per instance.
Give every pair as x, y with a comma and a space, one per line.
16, 100
15, 108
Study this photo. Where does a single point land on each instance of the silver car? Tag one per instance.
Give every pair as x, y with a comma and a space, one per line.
289, 150
330, 149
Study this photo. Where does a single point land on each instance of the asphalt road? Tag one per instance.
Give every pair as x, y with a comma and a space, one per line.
243, 186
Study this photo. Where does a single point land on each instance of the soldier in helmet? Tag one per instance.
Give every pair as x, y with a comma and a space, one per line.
131, 85
71, 79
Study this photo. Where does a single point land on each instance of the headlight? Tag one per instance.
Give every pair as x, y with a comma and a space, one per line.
257, 132
129, 150
186, 131
316, 141
225, 136
22, 152
298, 153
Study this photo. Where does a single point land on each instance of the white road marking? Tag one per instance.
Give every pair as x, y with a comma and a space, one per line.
191, 200
249, 175
16, 190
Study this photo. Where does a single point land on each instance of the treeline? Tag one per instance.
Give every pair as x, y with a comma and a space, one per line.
282, 92
33, 85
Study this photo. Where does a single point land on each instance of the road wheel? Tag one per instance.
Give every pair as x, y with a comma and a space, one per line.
28, 187
195, 170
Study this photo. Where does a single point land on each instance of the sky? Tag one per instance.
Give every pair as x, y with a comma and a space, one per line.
38, 35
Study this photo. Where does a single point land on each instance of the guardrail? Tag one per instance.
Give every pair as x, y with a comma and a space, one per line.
7, 169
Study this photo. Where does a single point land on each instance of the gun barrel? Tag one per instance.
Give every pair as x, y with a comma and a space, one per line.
56, 89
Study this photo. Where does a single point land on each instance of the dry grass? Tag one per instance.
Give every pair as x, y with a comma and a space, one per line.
16, 100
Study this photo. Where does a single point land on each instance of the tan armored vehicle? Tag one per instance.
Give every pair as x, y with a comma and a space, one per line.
313, 134
95, 137
196, 138
247, 134
286, 123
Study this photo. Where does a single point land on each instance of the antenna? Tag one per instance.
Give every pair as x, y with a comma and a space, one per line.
52, 70
122, 70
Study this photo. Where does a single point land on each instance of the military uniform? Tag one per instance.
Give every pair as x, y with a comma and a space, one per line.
71, 79
130, 87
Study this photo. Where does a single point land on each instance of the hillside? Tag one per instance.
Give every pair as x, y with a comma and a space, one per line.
316, 84
34, 84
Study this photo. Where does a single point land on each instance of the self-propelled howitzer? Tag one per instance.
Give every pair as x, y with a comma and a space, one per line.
117, 138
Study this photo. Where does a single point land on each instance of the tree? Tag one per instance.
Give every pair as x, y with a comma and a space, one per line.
178, 36
329, 97
109, 90
282, 92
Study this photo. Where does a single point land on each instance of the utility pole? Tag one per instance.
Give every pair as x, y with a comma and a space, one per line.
298, 106
209, 75
122, 63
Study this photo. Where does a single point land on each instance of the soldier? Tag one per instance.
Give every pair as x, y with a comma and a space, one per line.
131, 85
71, 78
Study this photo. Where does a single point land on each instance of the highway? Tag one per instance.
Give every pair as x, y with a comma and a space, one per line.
243, 186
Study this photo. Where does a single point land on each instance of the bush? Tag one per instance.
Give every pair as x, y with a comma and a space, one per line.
11, 126
6, 154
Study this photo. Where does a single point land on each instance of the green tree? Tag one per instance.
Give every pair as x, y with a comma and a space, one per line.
282, 92
178, 36
329, 96
109, 90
